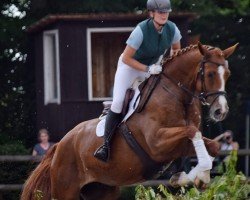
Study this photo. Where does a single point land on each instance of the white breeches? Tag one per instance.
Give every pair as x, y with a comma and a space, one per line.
124, 79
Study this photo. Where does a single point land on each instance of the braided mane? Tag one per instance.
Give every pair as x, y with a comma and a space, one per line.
166, 58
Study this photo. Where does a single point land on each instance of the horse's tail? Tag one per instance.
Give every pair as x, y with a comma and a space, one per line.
38, 185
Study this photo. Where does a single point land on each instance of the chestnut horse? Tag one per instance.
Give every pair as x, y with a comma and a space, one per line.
165, 127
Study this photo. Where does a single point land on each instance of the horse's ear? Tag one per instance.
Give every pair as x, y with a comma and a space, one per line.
229, 51
202, 49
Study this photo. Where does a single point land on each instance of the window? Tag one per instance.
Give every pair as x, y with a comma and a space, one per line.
51, 67
104, 46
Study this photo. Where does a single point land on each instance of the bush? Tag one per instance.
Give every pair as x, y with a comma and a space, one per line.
9, 146
231, 185
13, 172
13, 149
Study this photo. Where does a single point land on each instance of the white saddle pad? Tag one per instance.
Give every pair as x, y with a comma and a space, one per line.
101, 125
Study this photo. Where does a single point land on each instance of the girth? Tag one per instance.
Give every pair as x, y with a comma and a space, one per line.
152, 169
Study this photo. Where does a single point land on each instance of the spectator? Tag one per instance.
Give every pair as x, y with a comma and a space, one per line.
226, 141
226, 144
43, 146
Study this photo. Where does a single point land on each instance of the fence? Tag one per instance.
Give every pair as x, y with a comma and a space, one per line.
25, 158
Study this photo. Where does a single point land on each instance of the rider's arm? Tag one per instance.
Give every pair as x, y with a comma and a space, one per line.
128, 59
176, 44
219, 137
133, 44
175, 47
235, 146
34, 152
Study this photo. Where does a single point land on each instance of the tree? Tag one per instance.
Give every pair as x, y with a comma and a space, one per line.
16, 92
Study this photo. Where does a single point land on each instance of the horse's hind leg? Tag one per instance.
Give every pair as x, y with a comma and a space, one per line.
65, 178
65, 184
96, 191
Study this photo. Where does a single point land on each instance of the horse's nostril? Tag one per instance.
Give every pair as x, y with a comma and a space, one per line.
217, 112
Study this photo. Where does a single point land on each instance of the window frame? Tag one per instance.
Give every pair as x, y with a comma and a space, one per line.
89, 56
47, 98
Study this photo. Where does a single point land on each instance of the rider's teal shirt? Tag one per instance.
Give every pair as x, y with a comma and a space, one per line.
151, 43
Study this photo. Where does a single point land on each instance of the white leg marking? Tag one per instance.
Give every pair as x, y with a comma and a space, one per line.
204, 161
222, 99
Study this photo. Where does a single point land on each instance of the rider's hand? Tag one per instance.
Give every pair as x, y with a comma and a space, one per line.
154, 69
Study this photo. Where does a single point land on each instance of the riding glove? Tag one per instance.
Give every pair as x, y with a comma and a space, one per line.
154, 69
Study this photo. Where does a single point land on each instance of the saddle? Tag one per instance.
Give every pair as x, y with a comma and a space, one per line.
128, 97
145, 93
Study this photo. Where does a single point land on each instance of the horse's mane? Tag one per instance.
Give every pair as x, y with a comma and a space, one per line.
166, 58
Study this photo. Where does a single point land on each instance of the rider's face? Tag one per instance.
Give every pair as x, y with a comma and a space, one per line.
160, 17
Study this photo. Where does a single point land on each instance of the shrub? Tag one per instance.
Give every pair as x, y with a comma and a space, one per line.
231, 185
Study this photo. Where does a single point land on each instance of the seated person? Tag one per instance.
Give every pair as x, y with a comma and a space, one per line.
44, 145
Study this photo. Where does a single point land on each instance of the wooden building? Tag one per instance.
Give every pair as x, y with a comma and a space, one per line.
75, 59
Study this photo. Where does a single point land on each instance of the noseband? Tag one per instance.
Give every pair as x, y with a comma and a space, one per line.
204, 94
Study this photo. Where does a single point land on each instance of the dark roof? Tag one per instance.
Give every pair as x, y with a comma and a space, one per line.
50, 19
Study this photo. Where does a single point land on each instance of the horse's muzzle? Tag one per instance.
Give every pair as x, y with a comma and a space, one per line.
219, 109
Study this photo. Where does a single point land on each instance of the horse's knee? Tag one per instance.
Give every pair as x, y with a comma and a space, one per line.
213, 147
192, 131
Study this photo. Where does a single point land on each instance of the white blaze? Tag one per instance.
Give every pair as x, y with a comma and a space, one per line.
222, 99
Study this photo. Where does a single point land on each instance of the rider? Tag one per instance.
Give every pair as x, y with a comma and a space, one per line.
148, 41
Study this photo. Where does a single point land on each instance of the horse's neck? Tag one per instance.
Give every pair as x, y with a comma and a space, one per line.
185, 67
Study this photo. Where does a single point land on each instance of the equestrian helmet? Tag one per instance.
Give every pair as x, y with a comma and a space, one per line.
159, 5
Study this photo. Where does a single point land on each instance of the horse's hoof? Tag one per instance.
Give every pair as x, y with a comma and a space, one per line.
202, 179
200, 184
179, 179
204, 176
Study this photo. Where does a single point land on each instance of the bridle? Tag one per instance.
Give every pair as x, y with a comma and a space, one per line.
203, 95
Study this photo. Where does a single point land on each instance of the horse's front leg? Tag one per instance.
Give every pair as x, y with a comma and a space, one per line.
174, 141
195, 174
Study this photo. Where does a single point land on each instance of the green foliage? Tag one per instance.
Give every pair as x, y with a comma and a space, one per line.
12, 149
204, 7
9, 146
13, 172
213, 7
231, 185
17, 80
38, 195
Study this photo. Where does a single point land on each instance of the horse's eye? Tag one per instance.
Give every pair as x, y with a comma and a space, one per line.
211, 74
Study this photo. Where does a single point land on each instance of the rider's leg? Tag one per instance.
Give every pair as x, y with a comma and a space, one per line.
112, 120
124, 78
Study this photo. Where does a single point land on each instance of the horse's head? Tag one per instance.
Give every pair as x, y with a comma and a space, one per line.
212, 78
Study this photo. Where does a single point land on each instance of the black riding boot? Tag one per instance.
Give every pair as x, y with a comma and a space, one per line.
112, 120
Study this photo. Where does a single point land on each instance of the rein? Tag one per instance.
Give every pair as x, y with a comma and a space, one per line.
202, 97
